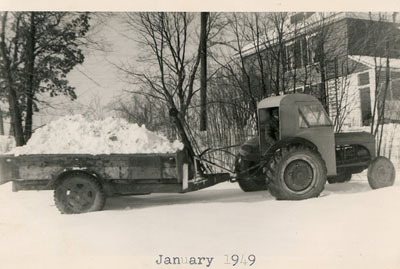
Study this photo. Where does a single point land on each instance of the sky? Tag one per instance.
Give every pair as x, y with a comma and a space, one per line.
96, 80
98, 75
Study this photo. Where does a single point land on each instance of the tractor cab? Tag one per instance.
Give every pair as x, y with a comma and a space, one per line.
297, 118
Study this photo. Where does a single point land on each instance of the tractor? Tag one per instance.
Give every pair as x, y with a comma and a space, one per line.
296, 151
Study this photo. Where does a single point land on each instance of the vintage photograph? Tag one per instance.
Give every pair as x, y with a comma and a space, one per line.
199, 139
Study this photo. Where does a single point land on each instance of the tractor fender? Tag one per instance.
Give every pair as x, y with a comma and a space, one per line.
290, 141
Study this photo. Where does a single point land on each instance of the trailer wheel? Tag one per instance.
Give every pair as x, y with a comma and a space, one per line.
249, 175
79, 193
341, 178
296, 173
381, 173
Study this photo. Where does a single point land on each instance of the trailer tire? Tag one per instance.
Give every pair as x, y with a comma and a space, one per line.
79, 192
381, 173
296, 173
249, 180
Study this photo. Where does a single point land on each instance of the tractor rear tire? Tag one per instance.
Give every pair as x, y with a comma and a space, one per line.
79, 193
296, 173
381, 173
251, 179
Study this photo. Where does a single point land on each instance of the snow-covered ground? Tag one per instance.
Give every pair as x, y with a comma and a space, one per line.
349, 226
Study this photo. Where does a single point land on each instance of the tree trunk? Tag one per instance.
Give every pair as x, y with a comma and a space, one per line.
203, 73
30, 65
1, 123
15, 112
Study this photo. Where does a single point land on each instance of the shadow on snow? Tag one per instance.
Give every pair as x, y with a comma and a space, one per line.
223, 195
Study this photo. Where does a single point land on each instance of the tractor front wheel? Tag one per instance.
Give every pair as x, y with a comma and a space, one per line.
381, 173
296, 173
249, 175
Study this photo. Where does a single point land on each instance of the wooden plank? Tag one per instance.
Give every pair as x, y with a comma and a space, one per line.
32, 172
169, 172
108, 167
114, 172
144, 167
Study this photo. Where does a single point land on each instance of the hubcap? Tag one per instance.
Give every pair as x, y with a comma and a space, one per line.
80, 195
298, 175
383, 173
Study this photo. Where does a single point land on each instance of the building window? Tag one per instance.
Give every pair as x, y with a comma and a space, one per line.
290, 56
365, 99
395, 89
296, 53
331, 69
363, 79
304, 51
312, 49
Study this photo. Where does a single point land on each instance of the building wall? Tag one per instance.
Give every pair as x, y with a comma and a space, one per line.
339, 72
356, 115
353, 115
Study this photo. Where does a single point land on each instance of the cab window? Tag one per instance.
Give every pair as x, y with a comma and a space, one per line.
313, 115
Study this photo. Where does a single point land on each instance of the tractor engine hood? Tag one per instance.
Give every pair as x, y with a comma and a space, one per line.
356, 138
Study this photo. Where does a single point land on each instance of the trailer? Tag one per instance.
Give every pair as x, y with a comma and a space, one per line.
82, 182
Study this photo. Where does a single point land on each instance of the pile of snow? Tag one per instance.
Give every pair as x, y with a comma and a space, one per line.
75, 134
7, 143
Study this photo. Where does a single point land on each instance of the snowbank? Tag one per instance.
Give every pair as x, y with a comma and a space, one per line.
75, 134
7, 143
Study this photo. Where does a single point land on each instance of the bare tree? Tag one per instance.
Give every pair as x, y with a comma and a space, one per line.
170, 59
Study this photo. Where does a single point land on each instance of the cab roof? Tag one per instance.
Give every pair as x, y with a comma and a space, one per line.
289, 99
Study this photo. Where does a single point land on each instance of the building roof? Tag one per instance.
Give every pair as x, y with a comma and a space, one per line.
312, 21
370, 61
